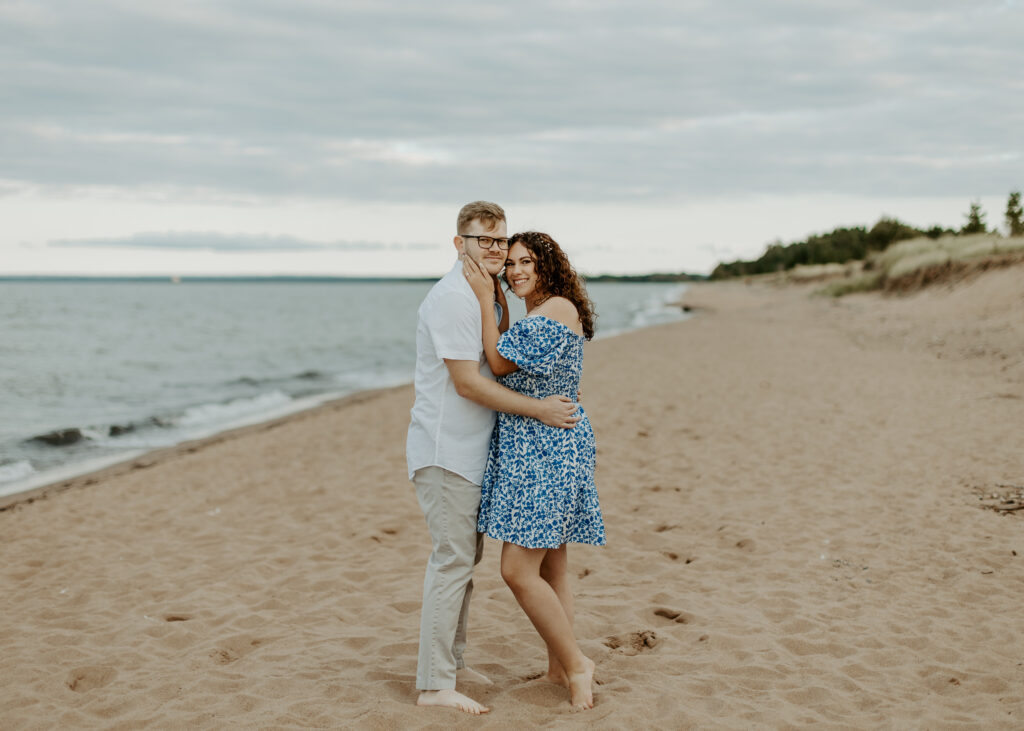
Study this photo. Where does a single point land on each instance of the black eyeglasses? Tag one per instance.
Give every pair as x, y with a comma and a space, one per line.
486, 242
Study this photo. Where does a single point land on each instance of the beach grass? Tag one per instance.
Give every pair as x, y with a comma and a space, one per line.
916, 262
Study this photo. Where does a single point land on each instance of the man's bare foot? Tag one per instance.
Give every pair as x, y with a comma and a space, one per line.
451, 698
581, 690
469, 675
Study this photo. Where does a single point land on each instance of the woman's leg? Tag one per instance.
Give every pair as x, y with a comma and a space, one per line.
520, 568
554, 569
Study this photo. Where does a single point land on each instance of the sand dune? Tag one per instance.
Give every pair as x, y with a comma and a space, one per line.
791, 487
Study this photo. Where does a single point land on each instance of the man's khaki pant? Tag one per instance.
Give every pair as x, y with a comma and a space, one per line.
450, 504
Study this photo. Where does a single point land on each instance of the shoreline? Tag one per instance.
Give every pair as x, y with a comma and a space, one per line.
144, 458
31, 472
68, 475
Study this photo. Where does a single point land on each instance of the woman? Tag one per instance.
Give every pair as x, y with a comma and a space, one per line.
538, 489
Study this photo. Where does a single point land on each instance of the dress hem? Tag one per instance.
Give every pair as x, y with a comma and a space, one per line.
578, 542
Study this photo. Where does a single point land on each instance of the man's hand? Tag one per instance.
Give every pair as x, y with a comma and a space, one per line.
481, 281
557, 411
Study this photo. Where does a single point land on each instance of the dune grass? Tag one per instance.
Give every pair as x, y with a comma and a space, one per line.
913, 258
865, 282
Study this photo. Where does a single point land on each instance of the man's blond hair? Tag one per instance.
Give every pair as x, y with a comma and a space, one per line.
489, 214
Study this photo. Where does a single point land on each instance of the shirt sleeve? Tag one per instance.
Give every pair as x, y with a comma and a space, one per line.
455, 328
534, 344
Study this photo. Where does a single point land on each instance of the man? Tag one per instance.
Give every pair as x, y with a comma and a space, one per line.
447, 445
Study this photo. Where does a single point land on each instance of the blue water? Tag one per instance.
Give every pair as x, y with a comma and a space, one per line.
134, 366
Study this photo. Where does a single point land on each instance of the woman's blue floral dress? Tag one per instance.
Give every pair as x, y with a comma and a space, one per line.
538, 488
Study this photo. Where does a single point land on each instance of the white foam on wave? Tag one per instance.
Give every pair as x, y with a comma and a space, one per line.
219, 413
656, 310
64, 472
16, 470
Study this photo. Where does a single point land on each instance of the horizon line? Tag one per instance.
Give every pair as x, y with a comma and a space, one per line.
180, 278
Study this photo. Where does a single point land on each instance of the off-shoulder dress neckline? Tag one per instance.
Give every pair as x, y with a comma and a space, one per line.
551, 319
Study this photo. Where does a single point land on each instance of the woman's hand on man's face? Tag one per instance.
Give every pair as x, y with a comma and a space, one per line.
480, 280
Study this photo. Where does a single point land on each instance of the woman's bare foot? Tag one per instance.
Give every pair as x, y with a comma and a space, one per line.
555, 673
581, 687
556, 678
451, 698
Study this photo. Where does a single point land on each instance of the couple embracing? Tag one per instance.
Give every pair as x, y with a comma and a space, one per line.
512, 459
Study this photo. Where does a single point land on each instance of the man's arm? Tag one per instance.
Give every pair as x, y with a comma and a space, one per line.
471, 384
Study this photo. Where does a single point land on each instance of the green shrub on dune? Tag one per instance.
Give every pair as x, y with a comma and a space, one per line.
912, 260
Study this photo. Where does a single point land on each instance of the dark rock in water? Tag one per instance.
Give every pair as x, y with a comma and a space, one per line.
60, 438
117, 430
310, 375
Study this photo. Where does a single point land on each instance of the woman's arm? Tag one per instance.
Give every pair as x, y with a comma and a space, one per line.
484, 288
499, 295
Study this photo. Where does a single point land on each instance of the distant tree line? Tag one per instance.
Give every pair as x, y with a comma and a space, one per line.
846, 244
659, 277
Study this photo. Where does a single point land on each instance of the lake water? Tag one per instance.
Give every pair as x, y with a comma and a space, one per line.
134, 366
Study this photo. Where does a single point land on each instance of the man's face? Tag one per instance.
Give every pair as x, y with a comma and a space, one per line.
493, 259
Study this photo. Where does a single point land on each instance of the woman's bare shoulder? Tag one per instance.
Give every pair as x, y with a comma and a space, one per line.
562, 310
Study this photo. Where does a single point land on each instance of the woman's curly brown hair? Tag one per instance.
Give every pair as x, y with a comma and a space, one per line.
556, 277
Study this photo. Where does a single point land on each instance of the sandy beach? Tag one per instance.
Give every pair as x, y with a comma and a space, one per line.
798, 494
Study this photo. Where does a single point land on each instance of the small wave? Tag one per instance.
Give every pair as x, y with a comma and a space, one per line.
206, 414
379, 377
307, 375
60, 437
658, 310
95, 433
16, 470
311, 375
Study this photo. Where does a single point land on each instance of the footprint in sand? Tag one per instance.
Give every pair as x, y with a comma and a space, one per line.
177, 617
544, 695
674, 614
84, 679
234, 648
632, 643
675, 556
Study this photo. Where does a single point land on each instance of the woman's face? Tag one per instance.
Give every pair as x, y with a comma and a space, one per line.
521, 271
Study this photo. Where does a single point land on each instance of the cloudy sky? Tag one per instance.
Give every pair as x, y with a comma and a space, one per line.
341, 137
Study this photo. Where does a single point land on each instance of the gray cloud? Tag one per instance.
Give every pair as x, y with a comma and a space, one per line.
560, 101
231, 243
